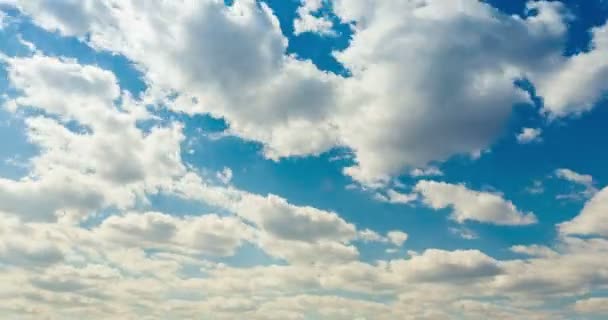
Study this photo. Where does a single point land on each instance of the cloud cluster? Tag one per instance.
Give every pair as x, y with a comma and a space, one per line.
73, 243
102, 273
592, 219
529, 135
472, 205
92, 154
392, 107
308, 21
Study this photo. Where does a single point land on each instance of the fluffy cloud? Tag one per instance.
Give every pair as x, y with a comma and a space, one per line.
426, 172
307, 21
92, 154
207, 234
95, 156
528, 135
457, 95
101, 274
18, 249
584, 180
575, 177
397, 237
440, 265
472, 205
286, 221
574, 84
393, 196
388, 106
285, 97
573, 267
592, 219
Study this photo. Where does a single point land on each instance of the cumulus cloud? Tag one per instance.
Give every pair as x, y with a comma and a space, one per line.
308, 21
92, 154
426, 172
18, 249
286, 98
575, 83
534, 250
95, 155
279, 218
592, 219
469, 82
208, 234
388, 106
529, 135
397, 237
101, 273
370, 236
393, 196
440, 265
472, 205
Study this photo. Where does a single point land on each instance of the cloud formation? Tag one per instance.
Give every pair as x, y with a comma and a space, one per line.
388, 106
472, 205
75, 241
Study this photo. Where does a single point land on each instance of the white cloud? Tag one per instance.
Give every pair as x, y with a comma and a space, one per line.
286, 221
106, 160
397, 237
298, 234
207, 234
295, 109
103, 275
537, 187
464, 233
592, 219
368, 235
575, 177
151, 265
440, 265
534, 250
225, 176
307, 21
529, 135
17, 247
470, 83
584, 180
393, 196
575, 83
472, 205
575, 269
426, 172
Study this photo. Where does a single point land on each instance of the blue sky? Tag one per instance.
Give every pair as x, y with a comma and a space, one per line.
356, 159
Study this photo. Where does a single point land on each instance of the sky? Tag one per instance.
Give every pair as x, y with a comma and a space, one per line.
303, 159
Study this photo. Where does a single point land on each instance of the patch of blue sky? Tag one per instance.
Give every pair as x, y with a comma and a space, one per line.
310, 45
